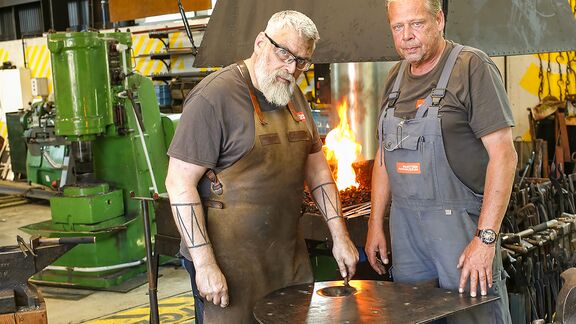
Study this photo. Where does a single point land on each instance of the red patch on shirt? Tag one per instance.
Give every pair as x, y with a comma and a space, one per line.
408, 167
300, 115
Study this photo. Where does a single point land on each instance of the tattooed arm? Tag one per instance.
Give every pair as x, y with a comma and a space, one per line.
325, 194
181, 183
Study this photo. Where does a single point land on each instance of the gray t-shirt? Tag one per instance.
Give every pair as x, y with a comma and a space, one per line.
216, 128
475, 105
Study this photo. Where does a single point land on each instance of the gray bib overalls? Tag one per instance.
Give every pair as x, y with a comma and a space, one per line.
433, 215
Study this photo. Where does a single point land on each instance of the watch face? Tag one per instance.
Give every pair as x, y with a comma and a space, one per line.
487, 236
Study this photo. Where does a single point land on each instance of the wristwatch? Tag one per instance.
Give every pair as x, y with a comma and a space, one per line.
487, 236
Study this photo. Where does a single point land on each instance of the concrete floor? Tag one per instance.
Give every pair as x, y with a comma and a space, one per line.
66, 305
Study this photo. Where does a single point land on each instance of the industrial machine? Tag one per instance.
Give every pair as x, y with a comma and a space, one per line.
45, 152
37, 153
107, 140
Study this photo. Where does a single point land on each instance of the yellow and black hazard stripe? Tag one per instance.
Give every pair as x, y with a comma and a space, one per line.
177, 41
177, 309
3, 127
38, 60
3, 55
143, 46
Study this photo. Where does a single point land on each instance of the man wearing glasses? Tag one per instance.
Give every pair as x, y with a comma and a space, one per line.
245, 145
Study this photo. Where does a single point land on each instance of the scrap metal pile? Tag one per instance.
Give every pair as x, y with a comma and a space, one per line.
539, 247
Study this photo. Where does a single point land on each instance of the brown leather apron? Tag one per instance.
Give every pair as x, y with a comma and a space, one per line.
255, 236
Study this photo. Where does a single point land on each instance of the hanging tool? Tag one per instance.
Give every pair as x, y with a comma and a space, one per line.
187, 27
560, 81
526, 168
24, 247
533, 229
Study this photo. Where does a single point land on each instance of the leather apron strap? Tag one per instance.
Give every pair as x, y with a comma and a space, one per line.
297, 116
255, 103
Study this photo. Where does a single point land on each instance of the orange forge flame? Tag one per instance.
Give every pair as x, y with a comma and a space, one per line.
341, 146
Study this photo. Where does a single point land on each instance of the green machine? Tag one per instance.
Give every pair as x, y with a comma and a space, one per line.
115, 142
37, 153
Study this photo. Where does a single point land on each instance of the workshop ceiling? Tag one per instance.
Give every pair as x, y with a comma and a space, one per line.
358, 31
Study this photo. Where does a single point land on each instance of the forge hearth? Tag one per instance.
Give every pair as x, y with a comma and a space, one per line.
350, 196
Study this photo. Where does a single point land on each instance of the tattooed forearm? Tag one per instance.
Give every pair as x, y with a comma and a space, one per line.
192, 228
327, 200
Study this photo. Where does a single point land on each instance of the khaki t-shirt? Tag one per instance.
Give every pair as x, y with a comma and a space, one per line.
475, 105
216, 128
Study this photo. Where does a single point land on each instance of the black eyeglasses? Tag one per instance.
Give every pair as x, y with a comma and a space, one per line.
288, 57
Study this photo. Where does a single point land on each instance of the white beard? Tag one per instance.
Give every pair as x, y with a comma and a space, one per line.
276, 92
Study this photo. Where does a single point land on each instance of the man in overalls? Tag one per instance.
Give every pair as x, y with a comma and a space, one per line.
446, 163
245, 145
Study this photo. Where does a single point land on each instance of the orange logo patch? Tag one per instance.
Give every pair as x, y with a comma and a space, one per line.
300, 115
408, 167
419, 103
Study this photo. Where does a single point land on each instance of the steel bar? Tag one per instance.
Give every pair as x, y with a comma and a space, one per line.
152, 289
13, 203
13, 188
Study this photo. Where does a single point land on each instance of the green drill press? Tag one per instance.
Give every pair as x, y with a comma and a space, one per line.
117, 139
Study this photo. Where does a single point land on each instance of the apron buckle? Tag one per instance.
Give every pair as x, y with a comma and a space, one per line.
215, 184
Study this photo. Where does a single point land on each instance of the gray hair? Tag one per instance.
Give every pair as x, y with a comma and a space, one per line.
433, 6
295, 20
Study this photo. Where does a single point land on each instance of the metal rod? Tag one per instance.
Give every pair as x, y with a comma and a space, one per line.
97, 269
533, 229
144, 148
10, 198
13, 188
187, 27
13, 203
105, 11
68, 240
525, 172
356, 207
152, 290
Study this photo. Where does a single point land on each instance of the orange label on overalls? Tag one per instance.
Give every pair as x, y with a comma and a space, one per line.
419, 103
408, 167
300, 115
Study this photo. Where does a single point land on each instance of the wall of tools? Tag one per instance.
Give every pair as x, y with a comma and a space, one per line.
548, 93
541, 244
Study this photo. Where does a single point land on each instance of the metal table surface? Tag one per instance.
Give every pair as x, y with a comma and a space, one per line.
374, 302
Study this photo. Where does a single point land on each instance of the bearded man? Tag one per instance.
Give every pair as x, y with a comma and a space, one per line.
245, 145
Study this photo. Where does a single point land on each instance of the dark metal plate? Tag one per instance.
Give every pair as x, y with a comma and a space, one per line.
513, 27
358, 31
350, 31
374, 302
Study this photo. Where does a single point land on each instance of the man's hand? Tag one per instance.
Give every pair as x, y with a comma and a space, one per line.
376, 243
476, 263
212, 284
346, 256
